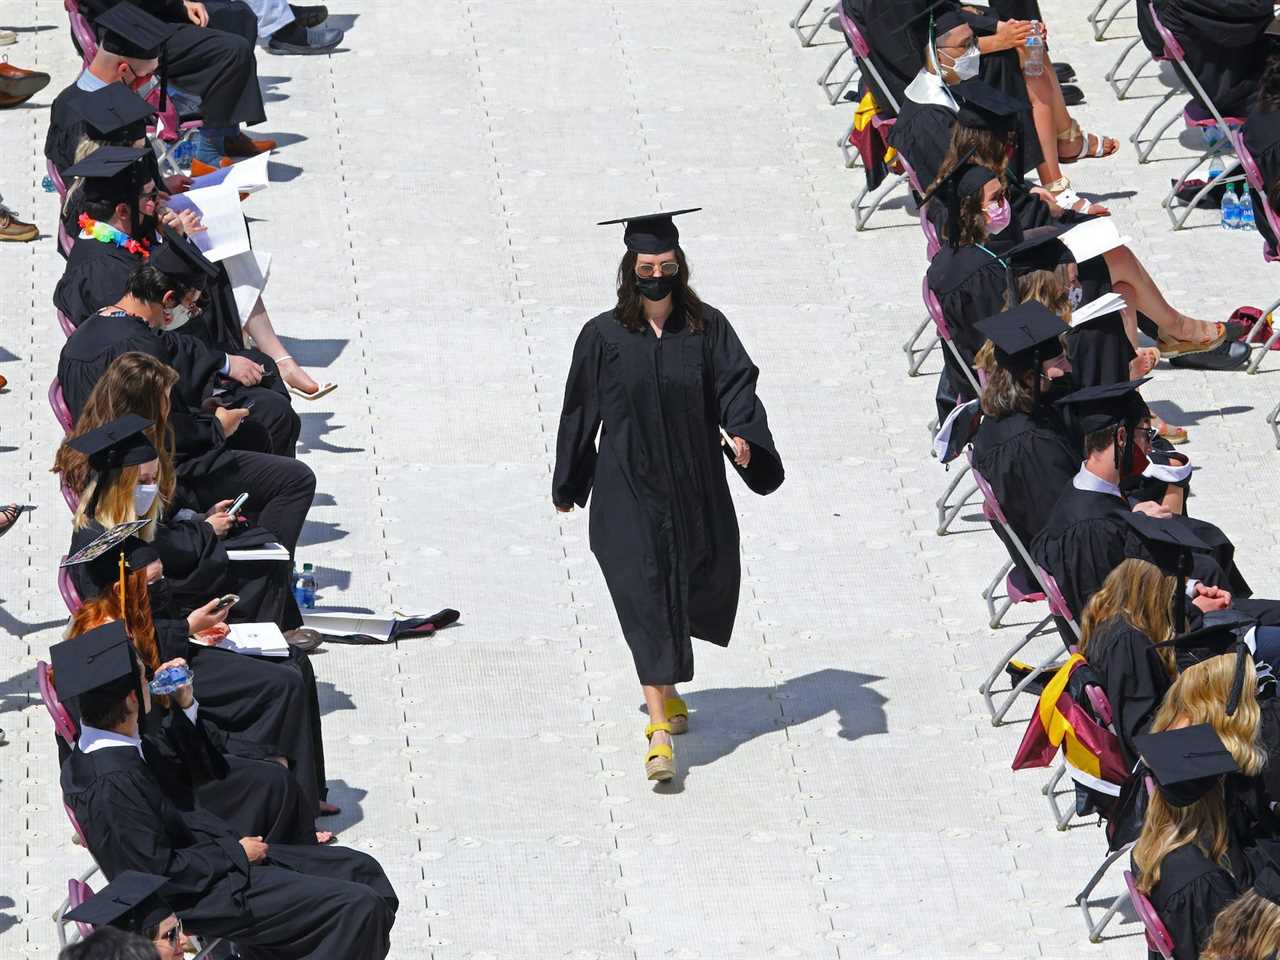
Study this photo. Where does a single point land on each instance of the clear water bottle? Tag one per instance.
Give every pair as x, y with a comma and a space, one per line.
304, 589
170, 679
1034, 64
1244, 210
1230, 210
183, 152
1216, 169
48, 184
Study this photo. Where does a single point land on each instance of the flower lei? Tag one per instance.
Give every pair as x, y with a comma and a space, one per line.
106, 233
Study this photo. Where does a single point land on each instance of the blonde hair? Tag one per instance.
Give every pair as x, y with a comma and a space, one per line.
111, 494
1140, 593
1199, 695
1248, 929
1049, 288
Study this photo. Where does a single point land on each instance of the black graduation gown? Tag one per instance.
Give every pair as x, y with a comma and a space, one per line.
1134, 677
1262, 137
1191, 893
1028, 460
320, 903
65, 127
1224, 46
662, 523
1087, 536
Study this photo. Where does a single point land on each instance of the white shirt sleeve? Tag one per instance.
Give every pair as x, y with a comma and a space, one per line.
192, 710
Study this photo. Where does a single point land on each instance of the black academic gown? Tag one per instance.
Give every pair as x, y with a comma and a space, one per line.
1133, 676
1191, 893
66, 127
1224, 46
264, 706
319, 903
1262, 137
1087, 536
663, 526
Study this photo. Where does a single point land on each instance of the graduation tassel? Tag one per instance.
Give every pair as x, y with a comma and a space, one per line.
121, 585
1180, 598
164, 79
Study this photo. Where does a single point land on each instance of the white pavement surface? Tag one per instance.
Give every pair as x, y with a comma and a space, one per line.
844, 793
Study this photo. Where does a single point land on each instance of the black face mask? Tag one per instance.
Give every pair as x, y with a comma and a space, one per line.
145, 228
1056, 389
161, 597
655, 288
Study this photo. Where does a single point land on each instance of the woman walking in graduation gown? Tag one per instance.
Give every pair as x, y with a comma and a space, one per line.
666, 377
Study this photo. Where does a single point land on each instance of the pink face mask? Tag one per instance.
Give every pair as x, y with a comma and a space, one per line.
998, 216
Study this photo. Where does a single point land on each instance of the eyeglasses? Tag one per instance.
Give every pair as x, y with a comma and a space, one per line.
150, 195
668, 268
173, 934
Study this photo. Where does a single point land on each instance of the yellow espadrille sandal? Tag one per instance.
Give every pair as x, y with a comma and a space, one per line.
660, 761
677, 712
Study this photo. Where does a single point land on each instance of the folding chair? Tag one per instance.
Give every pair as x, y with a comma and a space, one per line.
807, 32
1253, 177
56, 178
59, 405
917, 355
1082, 898
862, 54
70, 596
82, 33
65, 240
70, 496
1101, 26
1158, 939
62, 723
1112, 76
834, 90
947, 509
77, 893
68, 328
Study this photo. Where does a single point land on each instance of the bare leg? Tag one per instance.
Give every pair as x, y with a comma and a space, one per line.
1127, 269
1042, 91
655, 700
259, 327
1174, 498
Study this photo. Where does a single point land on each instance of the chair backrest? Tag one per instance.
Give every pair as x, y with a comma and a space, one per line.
70, 596
935, 310
82, 30
62, 722
68, 328
1158, 938
862, 51
59, 404
65, 242
1253, 174
990, 505
75, 825
78, 892
1172, 48
70, 496
1101, 705
56, 177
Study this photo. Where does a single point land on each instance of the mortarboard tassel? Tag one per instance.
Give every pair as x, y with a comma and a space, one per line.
1237, 683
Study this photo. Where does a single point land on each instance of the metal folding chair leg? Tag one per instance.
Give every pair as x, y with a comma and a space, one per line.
1123, 92
851, 156
1082, 898
1178, 215
863, 214
916, 356
795, 21
1096, 12
1051, 785
835, 90
1273, 420
1262, 349
989, 595
997, 713
948, 511
1099, 30
1144, 152
807, 35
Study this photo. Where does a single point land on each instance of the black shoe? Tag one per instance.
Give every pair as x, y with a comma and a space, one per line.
1066, 73
1228, 355
1072, 95
310, 16
304, 40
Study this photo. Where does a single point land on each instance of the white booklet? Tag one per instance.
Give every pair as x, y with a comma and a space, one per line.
247, 176
225, 233
343, 624
256, 639
1092, 238
268, 551
1107, 303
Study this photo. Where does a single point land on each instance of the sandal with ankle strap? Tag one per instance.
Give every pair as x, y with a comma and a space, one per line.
10, 513
323, 390
677, 715
660, 761
1096, 153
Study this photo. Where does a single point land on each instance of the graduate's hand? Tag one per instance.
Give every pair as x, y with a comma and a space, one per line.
1010, 34
1209, 599
178, 183
742, 452
568, 509
197, 13
1152, 509
185, 222
230, 419
183, 695
218, 519
244, 370
205, 617
254, 849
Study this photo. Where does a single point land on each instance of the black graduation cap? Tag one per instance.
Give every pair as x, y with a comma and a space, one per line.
129, 31
651, 232
121, 443
112, 174
942, 15
983, 107
115, 113
1044, 251
1215, 640
103, 543
1170, 542
1108, 405
181, 259
103, 570
99, 658
1186, 763
1024, 336
129, 902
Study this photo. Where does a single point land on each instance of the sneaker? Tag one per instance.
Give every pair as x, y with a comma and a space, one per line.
309, 16
304, 41
14, 230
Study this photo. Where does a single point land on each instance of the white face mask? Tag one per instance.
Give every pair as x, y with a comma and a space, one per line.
144, 495
966, 65
1075, 297
179, 316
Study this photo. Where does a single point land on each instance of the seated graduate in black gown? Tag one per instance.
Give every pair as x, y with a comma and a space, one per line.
134, 903
117, 233
215, 63
1224, 45
1249, 928
1088, 534
253, 789
278, 900
259, 700
1262, 137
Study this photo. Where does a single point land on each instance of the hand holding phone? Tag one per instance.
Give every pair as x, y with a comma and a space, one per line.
233, 511
225, 601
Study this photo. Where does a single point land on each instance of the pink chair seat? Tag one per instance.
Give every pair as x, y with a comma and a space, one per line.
1158, 938
78, 893
1019, 591
70, 596
59, 404
62, 722
82, 30
68, 328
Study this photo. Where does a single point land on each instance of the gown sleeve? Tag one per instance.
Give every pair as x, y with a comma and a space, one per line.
741, 411
579, 421
1135, 683
1190, 913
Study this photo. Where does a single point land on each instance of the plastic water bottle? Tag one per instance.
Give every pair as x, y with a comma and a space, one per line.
1230, 210
1034, 65
48, 184
1216, 169
170, 679
1244, 210
304, 590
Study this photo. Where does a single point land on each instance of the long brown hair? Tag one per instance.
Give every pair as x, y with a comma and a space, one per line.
630, 309
134, 383
1248, 929
1142, 594
136, 614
